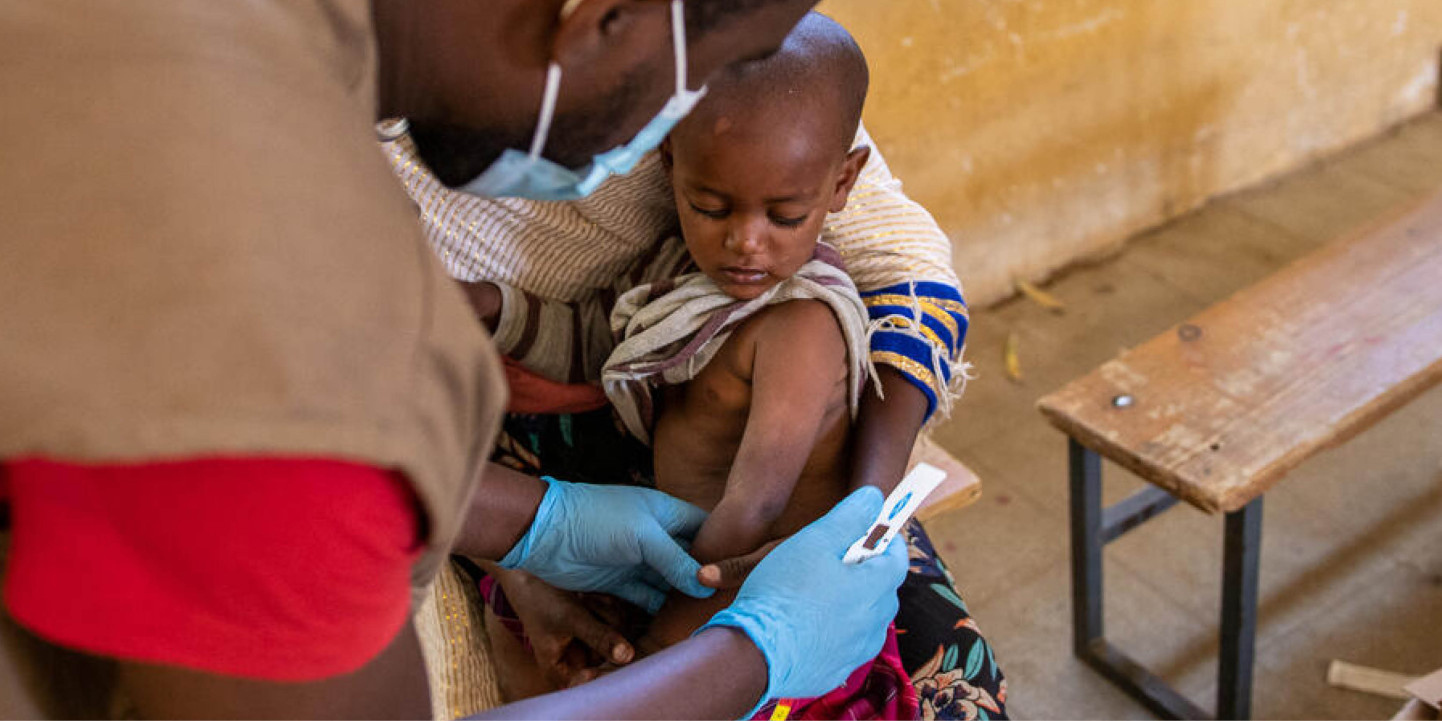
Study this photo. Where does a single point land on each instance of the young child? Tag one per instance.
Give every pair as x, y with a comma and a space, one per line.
741, 355
744, 374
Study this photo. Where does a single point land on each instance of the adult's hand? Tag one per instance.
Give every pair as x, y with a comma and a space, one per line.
614, 539
815, 618
486, 300
571, 636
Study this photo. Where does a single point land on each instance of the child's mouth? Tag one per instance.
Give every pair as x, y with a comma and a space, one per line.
743, 276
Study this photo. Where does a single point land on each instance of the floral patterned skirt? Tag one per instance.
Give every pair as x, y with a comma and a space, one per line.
952, 666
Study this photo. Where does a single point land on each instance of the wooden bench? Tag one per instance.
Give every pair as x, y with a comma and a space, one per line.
1218, 409
961, 488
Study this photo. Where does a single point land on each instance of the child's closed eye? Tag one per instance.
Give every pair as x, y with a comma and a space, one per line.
712, 213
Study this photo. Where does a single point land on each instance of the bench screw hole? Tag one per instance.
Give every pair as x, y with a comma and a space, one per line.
1123, 401
1189, 332
1216, 446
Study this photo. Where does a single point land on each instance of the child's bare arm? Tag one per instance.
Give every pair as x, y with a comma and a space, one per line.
799, 355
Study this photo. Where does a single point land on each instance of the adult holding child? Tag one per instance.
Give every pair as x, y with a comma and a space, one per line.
241, 409
543, 276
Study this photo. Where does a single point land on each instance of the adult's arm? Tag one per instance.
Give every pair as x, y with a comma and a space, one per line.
560, 341
566, 342
621, 540
718, 673
503, 508
901, 262
392, 685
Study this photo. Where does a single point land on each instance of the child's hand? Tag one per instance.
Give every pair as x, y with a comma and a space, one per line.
571, 636
730, 573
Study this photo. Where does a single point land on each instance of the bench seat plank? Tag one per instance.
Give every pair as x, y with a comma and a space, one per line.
961, 488
1228, 402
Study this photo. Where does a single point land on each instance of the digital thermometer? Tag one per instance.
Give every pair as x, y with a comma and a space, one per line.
895, 512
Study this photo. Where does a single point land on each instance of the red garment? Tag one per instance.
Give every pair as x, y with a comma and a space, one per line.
272, 569
531, 393
879, 689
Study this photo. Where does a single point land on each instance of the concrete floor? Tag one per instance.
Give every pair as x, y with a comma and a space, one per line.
1352, 542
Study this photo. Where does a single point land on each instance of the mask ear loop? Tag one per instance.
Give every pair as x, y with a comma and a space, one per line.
553, 73
678, 39
548, 110
548, 96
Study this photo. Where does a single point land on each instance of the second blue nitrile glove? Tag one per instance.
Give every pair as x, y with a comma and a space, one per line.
614, 539
815, 618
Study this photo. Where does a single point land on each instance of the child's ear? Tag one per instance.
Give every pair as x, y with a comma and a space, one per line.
850, 171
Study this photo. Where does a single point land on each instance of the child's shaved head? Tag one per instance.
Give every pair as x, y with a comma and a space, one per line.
766, 155
819, 73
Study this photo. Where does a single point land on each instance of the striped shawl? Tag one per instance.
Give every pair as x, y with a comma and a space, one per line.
668, 330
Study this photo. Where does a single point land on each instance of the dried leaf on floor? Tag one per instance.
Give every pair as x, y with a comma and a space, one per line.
1011, 358
1040, 297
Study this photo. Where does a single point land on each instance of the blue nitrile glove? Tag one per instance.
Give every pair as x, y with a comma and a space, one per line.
815, 618
614, 539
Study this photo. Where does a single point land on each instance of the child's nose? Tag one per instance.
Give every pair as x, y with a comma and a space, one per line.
747, 236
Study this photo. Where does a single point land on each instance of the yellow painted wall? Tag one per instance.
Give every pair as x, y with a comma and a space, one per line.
1040, 131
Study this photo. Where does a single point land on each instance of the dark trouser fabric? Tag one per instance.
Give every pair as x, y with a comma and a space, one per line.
952, 667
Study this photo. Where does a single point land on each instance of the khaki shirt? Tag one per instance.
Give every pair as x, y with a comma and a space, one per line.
203, 253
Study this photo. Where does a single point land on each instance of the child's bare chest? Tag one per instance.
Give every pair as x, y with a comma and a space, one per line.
700, 425
699, 429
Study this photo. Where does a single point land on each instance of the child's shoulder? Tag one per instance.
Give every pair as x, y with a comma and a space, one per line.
805, 313
797, 325
797, 320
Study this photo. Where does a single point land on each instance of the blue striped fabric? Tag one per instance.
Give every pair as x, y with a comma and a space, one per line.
919, 347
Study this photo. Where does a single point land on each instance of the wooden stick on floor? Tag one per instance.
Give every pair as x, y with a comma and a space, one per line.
1368, 680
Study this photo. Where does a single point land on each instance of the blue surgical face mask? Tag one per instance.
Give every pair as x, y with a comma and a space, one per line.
528, 175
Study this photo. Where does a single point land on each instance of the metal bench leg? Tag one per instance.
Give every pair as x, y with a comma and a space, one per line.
1086, 547
1241, 561
1091, 529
